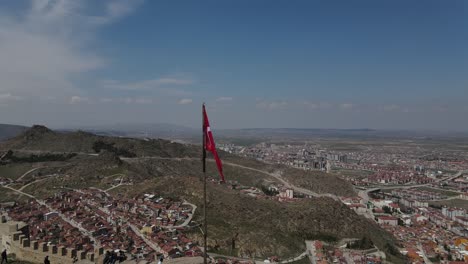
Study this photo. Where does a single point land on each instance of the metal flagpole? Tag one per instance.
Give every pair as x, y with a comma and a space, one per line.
205, 225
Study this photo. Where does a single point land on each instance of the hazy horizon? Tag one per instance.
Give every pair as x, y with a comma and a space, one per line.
141, 126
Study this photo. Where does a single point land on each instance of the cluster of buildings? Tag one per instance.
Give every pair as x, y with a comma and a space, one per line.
424, 239
298, 156
389, 165
145, 227
272, 192
424, 232
397, 175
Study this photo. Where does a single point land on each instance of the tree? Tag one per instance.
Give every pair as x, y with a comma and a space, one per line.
387, 210
400, 222
446, 247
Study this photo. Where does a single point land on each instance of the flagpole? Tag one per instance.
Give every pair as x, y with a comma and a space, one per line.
205, 225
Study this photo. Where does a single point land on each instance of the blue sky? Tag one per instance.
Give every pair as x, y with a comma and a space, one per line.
319, 64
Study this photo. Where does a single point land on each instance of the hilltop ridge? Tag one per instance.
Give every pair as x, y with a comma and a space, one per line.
41, 138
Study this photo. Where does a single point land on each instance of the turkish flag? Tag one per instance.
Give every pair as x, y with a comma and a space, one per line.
209, 144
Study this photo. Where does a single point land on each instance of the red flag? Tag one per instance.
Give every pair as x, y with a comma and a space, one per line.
209, 144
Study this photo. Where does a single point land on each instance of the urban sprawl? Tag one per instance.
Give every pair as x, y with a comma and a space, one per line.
408, 192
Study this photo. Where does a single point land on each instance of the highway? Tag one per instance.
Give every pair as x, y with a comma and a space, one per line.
386, 187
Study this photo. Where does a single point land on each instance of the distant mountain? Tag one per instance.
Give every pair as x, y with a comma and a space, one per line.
9, 131
309, 133
142, 130
248, 136
296, 132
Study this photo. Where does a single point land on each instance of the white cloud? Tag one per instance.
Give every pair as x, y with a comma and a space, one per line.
126, 100
8, 97
311, 105
106, 100
115, 10
347, 106
143, 101
224, 99
271, 105
315, 105
185, 101
43, 47
174, 81
78, 100
392, 107
162, 85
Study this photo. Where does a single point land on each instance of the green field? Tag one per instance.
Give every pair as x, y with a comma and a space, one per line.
14, 171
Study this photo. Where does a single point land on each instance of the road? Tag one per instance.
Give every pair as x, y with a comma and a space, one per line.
39, 180
53, 152
188, 220
301, 256
426, 260
385, 187
214, 255
275, 175
26, 173
257, 261
311, 251
20, 192
118, 185
154, 246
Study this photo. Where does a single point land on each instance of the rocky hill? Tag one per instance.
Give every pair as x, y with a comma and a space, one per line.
40, 138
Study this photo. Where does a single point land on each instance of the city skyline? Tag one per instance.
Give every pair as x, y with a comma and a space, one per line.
395, 65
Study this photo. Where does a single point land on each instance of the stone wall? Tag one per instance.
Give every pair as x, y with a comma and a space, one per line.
18, 243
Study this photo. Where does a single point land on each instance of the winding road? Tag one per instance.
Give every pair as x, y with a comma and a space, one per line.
276, 175
26, 173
